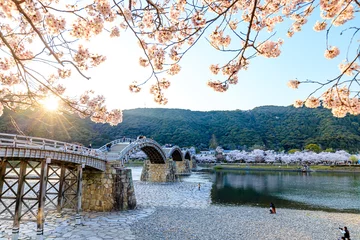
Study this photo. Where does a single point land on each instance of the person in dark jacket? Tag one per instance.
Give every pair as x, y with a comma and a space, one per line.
346, 233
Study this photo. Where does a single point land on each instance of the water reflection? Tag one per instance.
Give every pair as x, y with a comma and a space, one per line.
315, 191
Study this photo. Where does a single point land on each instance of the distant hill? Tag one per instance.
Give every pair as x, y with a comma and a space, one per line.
273, 127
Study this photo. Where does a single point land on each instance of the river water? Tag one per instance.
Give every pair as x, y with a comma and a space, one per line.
339, 192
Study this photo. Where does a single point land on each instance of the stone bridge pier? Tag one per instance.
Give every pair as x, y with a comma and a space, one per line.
110, 190
193, 164
159, 172
183, 167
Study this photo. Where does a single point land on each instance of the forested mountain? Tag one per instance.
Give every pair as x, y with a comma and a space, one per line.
272, 127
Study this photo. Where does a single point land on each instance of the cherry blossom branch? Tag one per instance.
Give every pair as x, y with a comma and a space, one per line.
37, 31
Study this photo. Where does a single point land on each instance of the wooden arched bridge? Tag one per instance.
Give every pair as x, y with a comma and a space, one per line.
122, 149
38, 173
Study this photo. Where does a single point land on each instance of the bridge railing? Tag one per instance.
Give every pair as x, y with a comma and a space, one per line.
20, 141
116, 141
139, 142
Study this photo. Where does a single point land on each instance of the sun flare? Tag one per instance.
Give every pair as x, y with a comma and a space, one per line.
51, 103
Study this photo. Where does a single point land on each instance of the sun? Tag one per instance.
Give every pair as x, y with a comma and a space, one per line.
51, 103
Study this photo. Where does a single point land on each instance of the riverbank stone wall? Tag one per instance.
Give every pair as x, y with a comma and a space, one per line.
153, 172
109, 190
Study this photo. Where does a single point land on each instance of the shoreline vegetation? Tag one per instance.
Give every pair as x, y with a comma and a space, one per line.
289, 168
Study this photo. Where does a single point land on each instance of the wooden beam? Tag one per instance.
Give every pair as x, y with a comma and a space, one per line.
18, 204
2, 175
40, 219
79, 195
60, 200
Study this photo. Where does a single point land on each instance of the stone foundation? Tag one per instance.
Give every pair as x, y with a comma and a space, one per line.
98, 190
107, 191
153, 172
192, 164
183, 167
124, 190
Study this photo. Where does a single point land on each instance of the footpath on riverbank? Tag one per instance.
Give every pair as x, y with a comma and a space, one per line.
181, 211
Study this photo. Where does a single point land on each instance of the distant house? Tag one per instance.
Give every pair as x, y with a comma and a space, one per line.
209, 152
226, 151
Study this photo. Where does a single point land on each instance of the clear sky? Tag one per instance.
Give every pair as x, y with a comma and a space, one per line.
264, 83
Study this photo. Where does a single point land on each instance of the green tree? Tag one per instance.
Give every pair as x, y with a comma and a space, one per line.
294, 150
353, 159
313, 147
329, 150
213, 142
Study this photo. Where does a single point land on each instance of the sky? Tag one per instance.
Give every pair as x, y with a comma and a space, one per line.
264, 83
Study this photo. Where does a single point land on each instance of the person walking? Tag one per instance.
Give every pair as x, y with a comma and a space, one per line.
199, 186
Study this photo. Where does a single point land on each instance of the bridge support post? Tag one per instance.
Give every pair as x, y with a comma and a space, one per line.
193, 163
60, 199
2, 175
78, 194
18, 203
124, 194
40, 219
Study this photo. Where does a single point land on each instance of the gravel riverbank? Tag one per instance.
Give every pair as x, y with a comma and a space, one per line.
243, 223
184, 212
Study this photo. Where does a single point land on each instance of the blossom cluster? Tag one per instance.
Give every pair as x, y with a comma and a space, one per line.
270, 49
218, 40
332, 52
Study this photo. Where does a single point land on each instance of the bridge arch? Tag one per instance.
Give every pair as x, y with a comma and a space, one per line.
187, 155
150, 147
174, 153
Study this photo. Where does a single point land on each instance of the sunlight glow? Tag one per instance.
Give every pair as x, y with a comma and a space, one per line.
51, 103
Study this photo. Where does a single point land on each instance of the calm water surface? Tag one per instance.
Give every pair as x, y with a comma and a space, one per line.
338, 192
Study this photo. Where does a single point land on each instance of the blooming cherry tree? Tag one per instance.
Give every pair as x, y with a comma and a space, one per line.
43, 42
